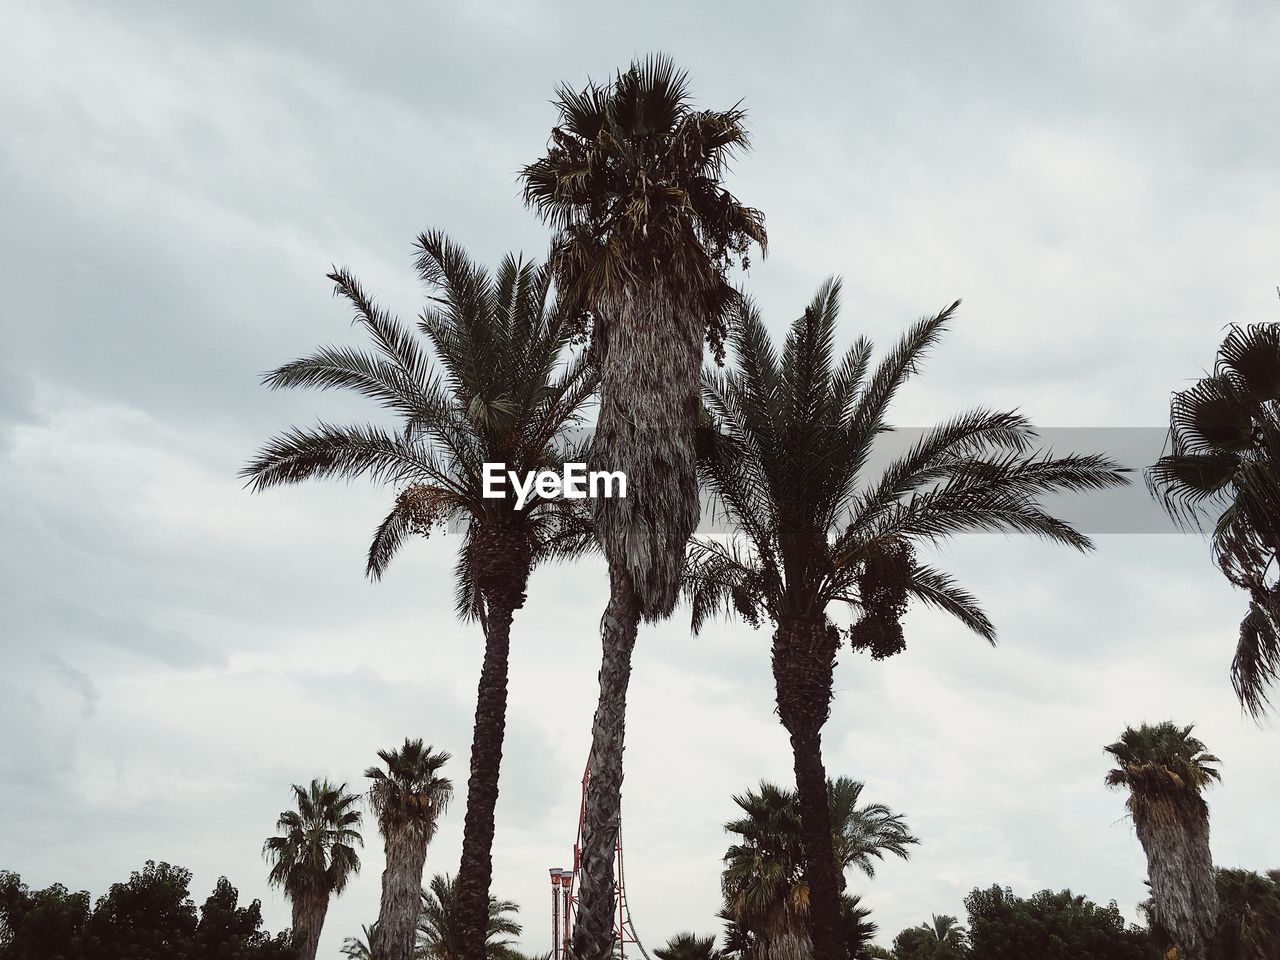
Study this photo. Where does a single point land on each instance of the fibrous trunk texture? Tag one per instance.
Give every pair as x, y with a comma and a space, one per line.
593, 931
1174, 832
804, 656
500, 561
650, 372
788, 945
308, 922
393, 937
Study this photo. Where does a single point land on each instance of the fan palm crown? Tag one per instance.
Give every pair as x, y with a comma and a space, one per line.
409, 794
1161, 761
315, 849
1223, 469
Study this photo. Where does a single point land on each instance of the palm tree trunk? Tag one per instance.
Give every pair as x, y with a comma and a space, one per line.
593, 932
803, 668
393, 938
308, 921
650, 370
1175, 837
500, 562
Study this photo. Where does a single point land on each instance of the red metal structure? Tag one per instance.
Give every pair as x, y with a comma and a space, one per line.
564, 899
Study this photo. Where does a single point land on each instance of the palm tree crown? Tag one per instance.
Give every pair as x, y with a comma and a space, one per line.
631, 184
944, 928
793, 434
440, 936
500, 393
315, 851
688, 946
1163, 761
357, 948
409, 793
1224, 459
764, 880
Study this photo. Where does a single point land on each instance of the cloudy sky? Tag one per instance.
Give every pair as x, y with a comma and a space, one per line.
1096, 180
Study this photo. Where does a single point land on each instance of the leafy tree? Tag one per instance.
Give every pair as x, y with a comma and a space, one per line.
441, 935
46, 924
765, 880
1224, 466
1051, 926
313, 856
500, 391
408, 799
150, 917
644, 233
227, 931
688, 946
1164, 769
1248, 925
793, 433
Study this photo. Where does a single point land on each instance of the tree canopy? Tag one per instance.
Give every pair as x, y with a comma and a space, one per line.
151, 916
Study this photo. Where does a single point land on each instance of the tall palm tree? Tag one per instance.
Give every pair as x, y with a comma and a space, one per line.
631, 183
766, 890
441, 935
785, 464
408, 798
688, 946
1165, 768
1224, 465
500, 391
313, 857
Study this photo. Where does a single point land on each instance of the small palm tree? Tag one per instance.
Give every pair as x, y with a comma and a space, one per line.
1165, 768
441, 936
314, 856
1224, 466
785, 462
765, 880
631, 183
408, 798
357, 948
944, 928
500, 391
688, 946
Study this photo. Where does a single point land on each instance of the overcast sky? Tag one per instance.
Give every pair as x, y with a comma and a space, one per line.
1096, 180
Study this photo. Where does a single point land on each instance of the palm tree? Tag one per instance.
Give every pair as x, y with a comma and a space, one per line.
441, 935
766, 890
944, 928
1224, 460
688, 946
644, 235
499, 392
357, 948
313, 856
1164, 768
408, 799
785, 469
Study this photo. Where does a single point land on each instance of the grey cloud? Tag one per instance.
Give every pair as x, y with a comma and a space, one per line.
77, 680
